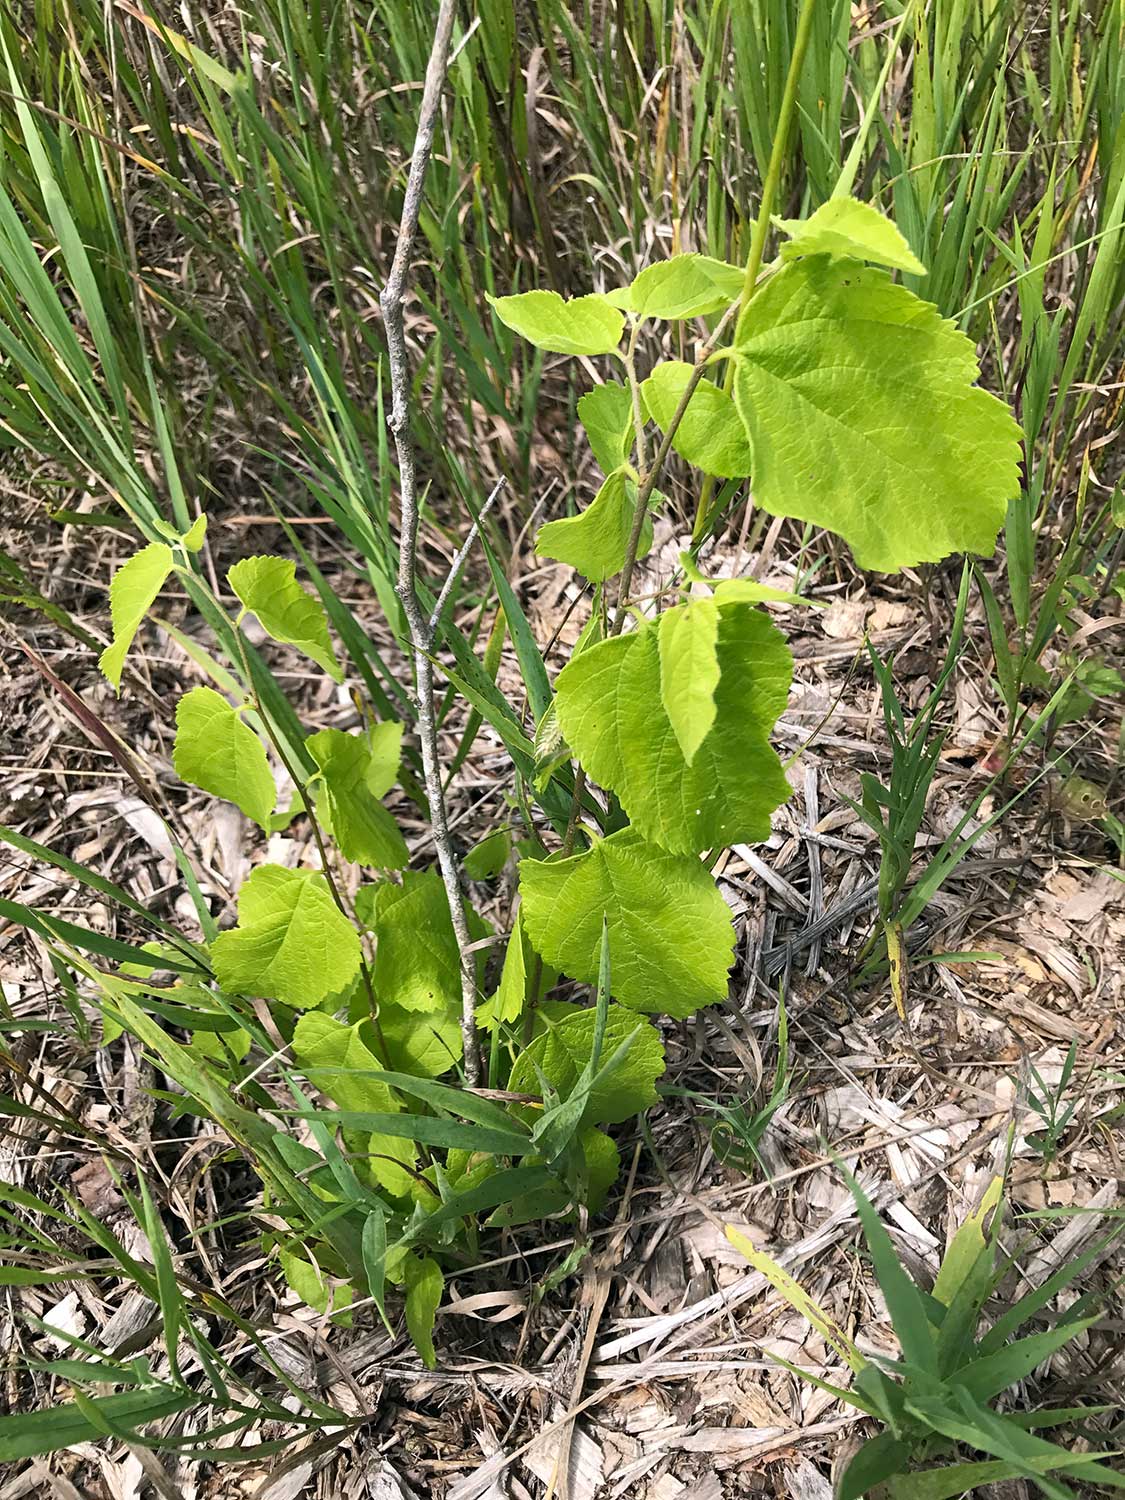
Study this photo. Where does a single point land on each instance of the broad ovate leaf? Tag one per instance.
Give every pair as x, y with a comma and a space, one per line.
338, 1062
135, 585
314, 1287
417, 965
844, 227
611, 707
217, 751
688, 641
292, 942
606, 412
685, 286
365, 831
578, 325
425, 1044
561, 1052
595, 541
710, 435
488, 858
670, 936
864, 417
268, 588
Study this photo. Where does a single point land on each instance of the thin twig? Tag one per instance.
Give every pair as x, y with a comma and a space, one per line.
391, 301
459, 561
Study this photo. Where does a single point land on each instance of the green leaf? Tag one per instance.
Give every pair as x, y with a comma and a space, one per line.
490, 856
603, 1164
135, 585
374, 1249
292, 942
986, 1377
685, 286
595, 541
425, 1043
268, 587
710, 435
779, 1278
863, 416
338, 1062
424, 1286
519, 965
952, 1481
610, 707
562, 1051
748, 591
670, 935
606, 412
217, 751
193, 537
977, 1427
856, 231
32, 1434
365, 831
878, 1460
312, 1286
903, 1298
417, 964
384, 744
689, 671
967, 1245
580, 325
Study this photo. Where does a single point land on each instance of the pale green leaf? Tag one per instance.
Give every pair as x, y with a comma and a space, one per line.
313, 1287
845, 227
606, 412
215, 750
520, 963
749, 591
863, 416
609, 704
779, 1278
336, 1058
489, 857
580, 325
268, 587
966, 1246
365, 831
603, 1163
384, 742
292, 942
424, 1286
135, 585
595, 541
670, 935
417, 965
425, 1044
710, 435
561, 1052
689, 671
685, 286
192, 539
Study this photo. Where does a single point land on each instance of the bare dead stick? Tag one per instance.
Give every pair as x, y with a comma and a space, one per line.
421, 636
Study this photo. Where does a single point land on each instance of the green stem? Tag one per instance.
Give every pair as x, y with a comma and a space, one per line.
765, 209
777, 153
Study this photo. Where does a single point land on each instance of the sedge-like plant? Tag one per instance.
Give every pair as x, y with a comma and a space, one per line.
940, 1397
